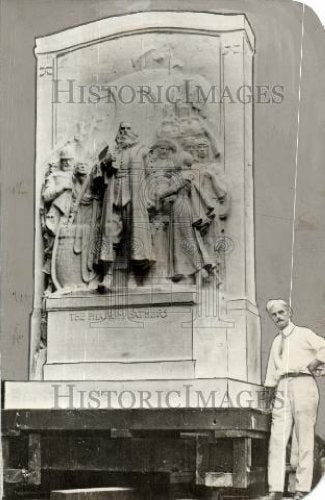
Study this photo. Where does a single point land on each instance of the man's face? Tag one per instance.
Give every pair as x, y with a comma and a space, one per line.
126, 136
81, 169
202, 150
125, 129
163, 152
66, 164
281, 315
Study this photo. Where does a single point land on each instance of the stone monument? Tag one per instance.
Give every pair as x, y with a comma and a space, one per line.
144, 265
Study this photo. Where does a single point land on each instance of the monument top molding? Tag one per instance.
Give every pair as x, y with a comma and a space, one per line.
141, 22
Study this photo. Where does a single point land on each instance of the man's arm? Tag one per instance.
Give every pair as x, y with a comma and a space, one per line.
221, 189
52, 190
317, 343
314, 365
270, 378
270, 381
178, 184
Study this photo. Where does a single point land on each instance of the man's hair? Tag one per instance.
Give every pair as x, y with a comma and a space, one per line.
273, 302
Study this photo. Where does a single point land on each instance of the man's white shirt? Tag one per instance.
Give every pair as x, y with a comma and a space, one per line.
293, 349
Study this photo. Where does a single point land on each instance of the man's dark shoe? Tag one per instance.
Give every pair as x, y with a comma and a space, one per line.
299, 495
275, 495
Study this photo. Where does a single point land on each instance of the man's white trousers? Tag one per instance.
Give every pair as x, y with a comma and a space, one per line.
296, 403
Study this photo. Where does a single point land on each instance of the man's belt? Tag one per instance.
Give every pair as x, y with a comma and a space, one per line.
294, 375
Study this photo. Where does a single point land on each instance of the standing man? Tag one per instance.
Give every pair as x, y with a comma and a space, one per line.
125, 229
295, 356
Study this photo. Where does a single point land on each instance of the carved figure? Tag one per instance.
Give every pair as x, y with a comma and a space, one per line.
124, 229
176, 223
56, 195
74, 248
213, 184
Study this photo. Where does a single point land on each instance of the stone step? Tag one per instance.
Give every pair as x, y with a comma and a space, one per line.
95, 494
120, 394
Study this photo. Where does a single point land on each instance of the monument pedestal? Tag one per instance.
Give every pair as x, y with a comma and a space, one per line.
150, 334
125, 336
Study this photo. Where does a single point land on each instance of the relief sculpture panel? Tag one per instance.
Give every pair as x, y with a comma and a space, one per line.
143, 200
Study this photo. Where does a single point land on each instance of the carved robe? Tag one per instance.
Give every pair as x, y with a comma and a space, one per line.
181, 211
213, 184
74, 247
124, 226
56, 196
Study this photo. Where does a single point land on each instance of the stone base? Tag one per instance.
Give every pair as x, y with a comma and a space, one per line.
120, 371
136, 394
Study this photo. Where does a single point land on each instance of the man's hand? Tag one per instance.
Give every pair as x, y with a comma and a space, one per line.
316, 368
107, 161
108, 164
279, 373
269, 393
170, 198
